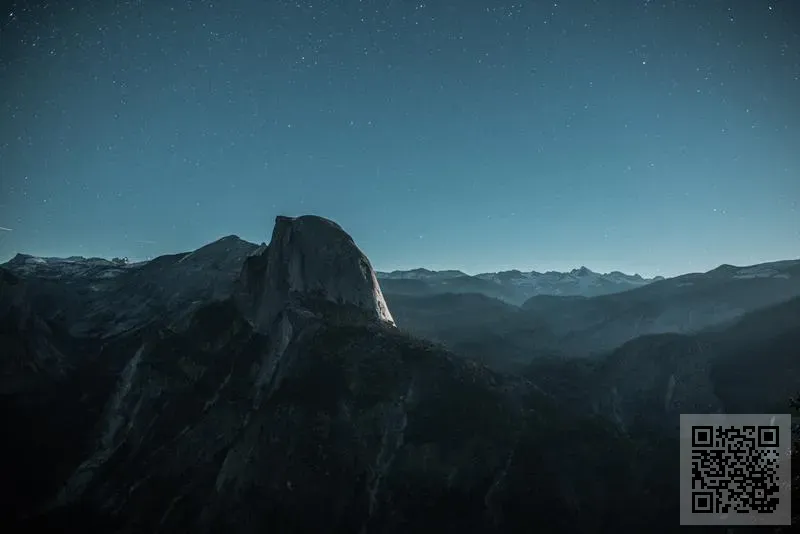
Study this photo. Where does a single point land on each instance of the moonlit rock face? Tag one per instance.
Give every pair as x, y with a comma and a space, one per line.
313, 257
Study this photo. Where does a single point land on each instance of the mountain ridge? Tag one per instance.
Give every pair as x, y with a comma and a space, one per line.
517, 287
514, 286
423, 272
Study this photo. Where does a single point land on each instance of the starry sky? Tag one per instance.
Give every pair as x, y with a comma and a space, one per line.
645, 136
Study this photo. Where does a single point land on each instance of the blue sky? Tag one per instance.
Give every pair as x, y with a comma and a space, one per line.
650, 137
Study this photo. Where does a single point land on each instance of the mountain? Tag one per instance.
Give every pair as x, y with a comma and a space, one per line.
749, 366
505, 336
514, 286
469, 324
458, 284
581, 281
237, 387
684, 304
420, 274
489, 330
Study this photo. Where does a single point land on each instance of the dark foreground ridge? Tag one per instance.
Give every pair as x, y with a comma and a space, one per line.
245, 389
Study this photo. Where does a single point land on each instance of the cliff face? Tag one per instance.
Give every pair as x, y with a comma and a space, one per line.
310, 259
274, 394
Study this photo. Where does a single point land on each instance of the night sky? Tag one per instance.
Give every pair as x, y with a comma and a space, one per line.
651, 137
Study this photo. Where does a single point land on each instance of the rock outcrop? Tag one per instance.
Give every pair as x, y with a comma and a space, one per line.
310, 259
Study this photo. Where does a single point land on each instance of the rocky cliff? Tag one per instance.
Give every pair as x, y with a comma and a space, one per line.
310, 259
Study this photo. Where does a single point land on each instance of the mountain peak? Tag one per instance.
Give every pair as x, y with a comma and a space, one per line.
311, 258
582, 271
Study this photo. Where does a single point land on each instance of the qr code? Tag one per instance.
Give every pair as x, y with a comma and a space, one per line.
735, 469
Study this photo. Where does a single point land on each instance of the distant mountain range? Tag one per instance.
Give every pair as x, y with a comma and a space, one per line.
512, 286
482, 325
